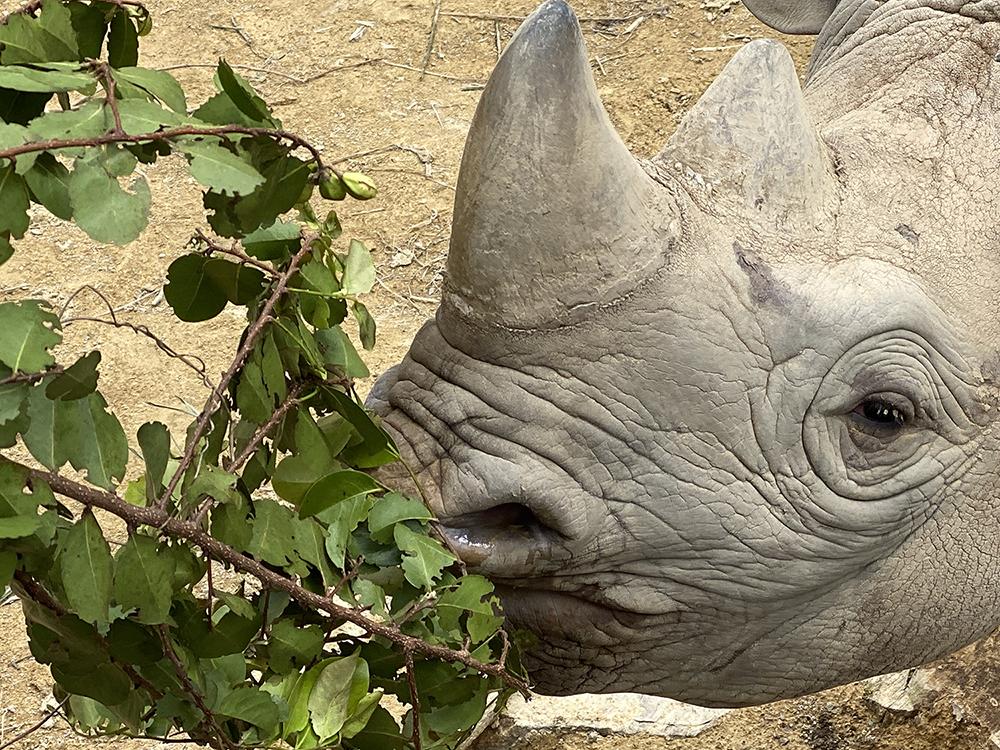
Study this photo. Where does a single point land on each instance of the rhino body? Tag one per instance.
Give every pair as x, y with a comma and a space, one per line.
723, 426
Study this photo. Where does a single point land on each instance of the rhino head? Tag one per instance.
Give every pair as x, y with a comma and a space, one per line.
723, 426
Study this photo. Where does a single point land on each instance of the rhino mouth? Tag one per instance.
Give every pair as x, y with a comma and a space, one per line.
504, 540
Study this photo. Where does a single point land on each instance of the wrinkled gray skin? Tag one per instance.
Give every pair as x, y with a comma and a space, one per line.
723, 426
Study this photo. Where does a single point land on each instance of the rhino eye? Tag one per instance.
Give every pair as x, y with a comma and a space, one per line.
880, 413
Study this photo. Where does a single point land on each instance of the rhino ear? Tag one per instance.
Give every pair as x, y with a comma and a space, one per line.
748, 145
553, 215
792, 16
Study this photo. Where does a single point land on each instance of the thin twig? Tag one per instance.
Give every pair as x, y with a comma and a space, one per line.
176, 527
411, 678
35, 727
269, 71
418, 70
215, 399
37, 592
430, 40
257, 439
191, 689
214, 247
187, 359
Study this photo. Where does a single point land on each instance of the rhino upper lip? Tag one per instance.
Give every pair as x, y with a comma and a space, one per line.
506, 539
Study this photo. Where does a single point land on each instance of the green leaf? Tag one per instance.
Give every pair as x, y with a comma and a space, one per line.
48, 181
130, 642
14, 202
103, 210
424, 558
49, 37
90, 26
91, 120
390, 510
359, 270
81, 432
284, 182
319, 277
142, 579
154, 441
272, 370
251, 705
12, 136
105, 683
158, 84
219, 168
239, 283
123, 42
272, 532
251, 396
230, 525
85, 562
23, 78
336, 487
366, 325
142, 116
380, 733
341, 520
191, 292
77, 381
339, 354
6, 249
457, 718
8, 561
20, 107
26, 333
213, 482
329, 701
376, 447
294, 476
291, 647
244, 97
276, 241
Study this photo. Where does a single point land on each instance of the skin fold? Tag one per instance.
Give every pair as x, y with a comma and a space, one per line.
722, 426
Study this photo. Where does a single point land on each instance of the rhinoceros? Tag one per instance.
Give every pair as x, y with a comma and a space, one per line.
723, 425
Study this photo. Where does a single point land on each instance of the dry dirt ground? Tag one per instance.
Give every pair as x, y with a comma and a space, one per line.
345, 74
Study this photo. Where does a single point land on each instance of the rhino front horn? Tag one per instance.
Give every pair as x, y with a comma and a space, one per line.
553, 215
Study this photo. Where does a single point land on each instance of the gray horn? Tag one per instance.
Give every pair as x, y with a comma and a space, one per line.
553, 215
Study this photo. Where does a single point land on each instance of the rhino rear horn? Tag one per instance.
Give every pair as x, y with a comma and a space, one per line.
553, 215
748, 147
793, 16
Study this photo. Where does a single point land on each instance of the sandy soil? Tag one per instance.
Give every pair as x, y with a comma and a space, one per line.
336, 72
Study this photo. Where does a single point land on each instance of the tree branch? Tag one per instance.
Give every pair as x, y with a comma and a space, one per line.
182, 529
215, 399
161, 136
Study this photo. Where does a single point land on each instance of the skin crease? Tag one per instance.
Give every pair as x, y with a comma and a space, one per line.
683, 492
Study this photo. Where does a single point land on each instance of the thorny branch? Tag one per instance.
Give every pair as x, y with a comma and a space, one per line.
191, 689
160, 519
217, 395
163, 136
258, 438
211, 246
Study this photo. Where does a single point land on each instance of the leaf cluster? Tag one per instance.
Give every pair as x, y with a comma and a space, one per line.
270, 479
